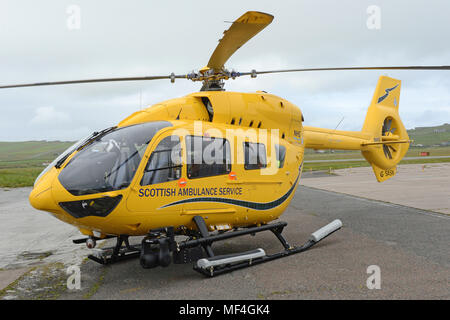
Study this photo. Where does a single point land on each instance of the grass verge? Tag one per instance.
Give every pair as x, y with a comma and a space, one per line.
18, 177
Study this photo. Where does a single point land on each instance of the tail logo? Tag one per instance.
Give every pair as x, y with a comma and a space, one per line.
388, 90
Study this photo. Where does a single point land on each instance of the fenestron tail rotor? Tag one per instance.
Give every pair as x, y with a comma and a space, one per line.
213, 75
387, 132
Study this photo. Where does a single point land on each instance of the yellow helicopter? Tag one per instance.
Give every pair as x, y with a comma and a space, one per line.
208, 166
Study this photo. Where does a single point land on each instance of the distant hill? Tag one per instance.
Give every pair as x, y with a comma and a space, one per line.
30, 153
430, 136
35, 153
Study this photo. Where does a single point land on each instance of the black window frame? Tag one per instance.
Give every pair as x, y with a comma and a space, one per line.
254, 166
189, 139
156, 151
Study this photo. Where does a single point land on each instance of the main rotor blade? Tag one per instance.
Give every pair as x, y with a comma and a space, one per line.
93, 80
349, 68
242, 30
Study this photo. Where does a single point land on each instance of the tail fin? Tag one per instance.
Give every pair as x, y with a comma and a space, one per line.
390, 140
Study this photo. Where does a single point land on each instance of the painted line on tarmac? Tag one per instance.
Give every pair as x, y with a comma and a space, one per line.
363, 160
387, 204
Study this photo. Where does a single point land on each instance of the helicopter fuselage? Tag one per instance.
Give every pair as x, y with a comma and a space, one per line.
233, 193
232, 158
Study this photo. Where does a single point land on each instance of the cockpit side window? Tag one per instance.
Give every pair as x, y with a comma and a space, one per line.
165, 162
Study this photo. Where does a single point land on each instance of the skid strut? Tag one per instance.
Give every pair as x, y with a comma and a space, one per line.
203, 229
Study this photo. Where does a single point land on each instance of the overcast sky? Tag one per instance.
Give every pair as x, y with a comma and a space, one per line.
143, 37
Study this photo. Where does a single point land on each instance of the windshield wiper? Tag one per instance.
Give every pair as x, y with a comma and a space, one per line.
95, 135
59, 163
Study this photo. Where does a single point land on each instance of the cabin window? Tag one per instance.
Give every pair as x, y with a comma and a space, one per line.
280, 152
207, 156
165, 162
255, 156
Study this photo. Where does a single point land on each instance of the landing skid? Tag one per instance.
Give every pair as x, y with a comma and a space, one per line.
217, 265
159, 248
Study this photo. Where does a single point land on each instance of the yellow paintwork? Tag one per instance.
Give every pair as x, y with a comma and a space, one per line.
136, 215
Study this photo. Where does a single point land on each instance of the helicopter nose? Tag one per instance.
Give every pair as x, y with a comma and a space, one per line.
42, 199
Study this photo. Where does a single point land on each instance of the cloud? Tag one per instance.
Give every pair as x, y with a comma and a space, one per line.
429, 117
48, 116
136, 38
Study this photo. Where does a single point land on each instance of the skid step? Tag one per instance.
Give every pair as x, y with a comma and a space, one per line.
107, 256
206, 263
116, 253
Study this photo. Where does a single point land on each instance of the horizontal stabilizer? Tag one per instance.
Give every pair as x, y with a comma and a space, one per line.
385, 142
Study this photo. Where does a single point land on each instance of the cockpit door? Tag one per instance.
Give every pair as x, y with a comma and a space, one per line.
158, 183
